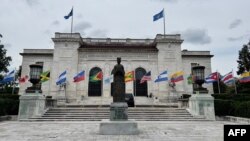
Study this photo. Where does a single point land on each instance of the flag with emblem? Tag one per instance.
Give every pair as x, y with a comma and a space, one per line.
97, 77
45, 76
79, 77
129, 76
176, 77
23, 79
162, 77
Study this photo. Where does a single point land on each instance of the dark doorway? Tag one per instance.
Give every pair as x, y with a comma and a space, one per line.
140, 89
95, 88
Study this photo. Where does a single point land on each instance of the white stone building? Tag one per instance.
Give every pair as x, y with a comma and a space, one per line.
73, 53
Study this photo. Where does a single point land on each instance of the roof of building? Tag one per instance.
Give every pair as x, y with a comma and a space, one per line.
186, 53
48, 52
116, 43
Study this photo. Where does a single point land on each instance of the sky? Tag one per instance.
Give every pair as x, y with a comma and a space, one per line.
219, 26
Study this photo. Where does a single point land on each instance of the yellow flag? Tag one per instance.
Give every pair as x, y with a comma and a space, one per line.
129, 76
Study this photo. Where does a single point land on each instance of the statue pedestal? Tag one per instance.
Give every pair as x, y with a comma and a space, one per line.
118, 123
31, 105
119, 111
127, 127
202, 105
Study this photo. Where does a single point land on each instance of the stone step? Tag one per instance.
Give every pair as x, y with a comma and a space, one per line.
99, 113
130, 116
77, 120
131, 109
108, 118
108, 113
175, 105
156, 112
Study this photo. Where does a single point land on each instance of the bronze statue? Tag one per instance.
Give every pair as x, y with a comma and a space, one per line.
119, 82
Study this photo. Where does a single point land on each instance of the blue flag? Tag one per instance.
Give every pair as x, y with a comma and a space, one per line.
69, 15
10, 77
162, 77
62, 78
159, 15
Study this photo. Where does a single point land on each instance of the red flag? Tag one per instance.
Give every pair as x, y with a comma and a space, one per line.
23, 79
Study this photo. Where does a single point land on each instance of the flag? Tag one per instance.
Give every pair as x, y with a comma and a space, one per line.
158, 15
191, 79
245, 77
212, 77
45, 76
69, 15
62, 78
109, 79
162, 77
146, 77
176, 77
227, 78
96, 77
129, 76
9, 77
79, 77
23, 79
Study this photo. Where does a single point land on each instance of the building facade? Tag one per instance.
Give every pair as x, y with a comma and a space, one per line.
73, 53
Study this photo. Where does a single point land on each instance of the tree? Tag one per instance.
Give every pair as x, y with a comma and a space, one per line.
4, 60
223, 87
244, 59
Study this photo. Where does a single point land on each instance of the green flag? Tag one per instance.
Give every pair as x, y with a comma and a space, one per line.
97, 77
190, 79
45, 76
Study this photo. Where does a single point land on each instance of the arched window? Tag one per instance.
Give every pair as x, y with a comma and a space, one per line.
95, 86
140, 89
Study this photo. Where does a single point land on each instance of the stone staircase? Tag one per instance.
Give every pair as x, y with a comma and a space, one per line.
99, 113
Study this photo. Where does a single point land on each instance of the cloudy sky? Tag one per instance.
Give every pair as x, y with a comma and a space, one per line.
220, 26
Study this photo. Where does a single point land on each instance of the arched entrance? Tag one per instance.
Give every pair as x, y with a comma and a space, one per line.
140, 89
95, 85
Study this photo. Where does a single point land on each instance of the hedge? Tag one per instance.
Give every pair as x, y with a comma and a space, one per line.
236, 97
234, 105
9, 104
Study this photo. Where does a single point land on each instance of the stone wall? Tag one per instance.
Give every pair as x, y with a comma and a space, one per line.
203, 61
32, 59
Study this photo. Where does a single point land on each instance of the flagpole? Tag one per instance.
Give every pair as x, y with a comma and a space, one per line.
135, 82
218, 82
14, 81
72, 20
234, 83
164, 22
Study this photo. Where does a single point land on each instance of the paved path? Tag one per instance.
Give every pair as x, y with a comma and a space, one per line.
88, 131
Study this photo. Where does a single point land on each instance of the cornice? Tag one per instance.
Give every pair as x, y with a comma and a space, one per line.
169, 41
40, 54
115, 50
68, 40
205, 56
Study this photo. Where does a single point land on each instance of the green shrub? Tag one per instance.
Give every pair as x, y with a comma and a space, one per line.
9, 104
2, 107
236, 97
231, 107
242, 109
9, 96
223, 107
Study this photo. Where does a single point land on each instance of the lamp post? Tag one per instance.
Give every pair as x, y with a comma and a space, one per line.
198, 72
35, 72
